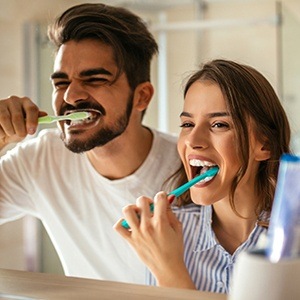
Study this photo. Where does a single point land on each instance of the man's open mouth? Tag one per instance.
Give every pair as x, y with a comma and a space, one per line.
94, 116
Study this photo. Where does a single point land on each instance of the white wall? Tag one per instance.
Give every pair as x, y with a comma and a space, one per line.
252, 44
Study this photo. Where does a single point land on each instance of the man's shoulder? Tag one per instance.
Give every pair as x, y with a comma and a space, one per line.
45, 137
163, 136
49, 133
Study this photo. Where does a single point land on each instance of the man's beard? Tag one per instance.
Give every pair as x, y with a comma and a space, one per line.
104, 135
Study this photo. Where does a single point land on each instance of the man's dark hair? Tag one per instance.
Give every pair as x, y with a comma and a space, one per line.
127, 34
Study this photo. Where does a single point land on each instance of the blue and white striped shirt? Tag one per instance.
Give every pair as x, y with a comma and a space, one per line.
208, 263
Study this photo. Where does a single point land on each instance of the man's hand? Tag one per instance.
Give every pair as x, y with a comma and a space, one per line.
18, 118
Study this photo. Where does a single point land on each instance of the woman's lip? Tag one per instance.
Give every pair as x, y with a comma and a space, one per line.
200, 157
196, 168
204, 184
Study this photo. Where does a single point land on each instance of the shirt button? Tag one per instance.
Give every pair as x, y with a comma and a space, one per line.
220, 284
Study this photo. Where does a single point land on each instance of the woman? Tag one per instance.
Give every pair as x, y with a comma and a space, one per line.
231, 119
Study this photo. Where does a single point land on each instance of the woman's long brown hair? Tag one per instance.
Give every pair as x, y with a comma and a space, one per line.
250, 98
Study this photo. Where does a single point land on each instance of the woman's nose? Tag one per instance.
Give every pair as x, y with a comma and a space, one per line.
197, 139
74, 93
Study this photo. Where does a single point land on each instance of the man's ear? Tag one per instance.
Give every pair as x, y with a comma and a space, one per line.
143, 95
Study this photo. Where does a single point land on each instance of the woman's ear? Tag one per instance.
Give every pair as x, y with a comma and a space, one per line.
259, 144
143, 95
262, 151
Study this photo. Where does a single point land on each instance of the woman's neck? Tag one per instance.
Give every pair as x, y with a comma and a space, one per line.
230, 229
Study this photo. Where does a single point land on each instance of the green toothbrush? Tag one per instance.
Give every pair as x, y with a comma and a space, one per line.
80, 115
183, 188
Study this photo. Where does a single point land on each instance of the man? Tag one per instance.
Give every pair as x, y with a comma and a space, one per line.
78, 188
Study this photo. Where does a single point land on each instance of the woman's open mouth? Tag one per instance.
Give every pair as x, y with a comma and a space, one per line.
199, 167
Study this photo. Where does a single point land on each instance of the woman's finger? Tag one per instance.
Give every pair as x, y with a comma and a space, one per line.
131, 214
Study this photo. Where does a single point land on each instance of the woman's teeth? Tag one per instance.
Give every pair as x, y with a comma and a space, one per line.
200, 167
200, 163
206, 179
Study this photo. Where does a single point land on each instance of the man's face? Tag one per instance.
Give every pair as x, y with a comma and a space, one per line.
83, 78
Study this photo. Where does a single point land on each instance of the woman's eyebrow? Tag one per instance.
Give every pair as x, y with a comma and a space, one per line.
185, 114
218, 114
209, 115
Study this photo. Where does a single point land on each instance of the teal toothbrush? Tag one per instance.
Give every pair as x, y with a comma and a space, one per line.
183, 188
80, 115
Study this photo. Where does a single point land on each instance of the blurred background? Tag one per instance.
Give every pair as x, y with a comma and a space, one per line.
262, 33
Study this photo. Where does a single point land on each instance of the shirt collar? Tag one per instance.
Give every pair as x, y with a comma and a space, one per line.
206, 238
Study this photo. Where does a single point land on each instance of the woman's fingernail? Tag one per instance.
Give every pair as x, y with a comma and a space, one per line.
171, 198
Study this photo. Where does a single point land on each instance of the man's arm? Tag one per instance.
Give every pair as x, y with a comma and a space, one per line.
18, 118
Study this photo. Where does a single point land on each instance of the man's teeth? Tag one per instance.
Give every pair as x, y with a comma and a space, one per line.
84, 121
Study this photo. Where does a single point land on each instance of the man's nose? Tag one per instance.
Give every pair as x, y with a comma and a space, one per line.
74, 93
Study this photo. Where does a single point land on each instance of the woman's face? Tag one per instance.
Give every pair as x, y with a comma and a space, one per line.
208, 138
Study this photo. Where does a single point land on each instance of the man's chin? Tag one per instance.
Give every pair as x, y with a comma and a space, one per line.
77, 145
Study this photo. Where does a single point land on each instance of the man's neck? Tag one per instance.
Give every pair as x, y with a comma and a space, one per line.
122, 156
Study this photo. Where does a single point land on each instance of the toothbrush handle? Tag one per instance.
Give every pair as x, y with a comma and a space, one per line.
180, 190
46, 120
171, 198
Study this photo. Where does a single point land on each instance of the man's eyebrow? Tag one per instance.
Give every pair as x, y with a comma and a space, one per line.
97, 71
84, 73
59, 75
210, 115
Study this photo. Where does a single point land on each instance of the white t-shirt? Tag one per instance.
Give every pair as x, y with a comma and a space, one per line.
77, 205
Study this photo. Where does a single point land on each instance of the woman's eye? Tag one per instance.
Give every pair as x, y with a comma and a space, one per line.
220, 125
186, 125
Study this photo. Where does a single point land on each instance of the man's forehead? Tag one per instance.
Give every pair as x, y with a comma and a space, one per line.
89, 53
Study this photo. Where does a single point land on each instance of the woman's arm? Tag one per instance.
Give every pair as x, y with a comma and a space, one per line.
158, 240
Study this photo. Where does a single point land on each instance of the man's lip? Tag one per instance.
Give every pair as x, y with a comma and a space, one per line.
91, 122
92, 111
81, 126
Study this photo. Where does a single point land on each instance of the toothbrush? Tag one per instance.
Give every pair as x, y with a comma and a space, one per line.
183, 188
80, 115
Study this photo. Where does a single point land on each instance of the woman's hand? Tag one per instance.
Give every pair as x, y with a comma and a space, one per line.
157, 238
